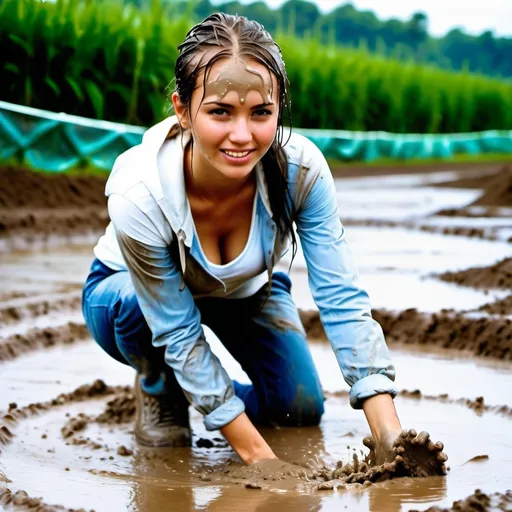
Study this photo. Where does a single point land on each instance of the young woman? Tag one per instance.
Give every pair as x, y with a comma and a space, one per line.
201, 212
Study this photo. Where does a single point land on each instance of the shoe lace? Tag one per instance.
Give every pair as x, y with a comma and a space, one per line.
159, 411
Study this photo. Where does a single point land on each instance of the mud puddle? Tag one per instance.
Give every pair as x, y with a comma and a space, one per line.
145, 480
459, 398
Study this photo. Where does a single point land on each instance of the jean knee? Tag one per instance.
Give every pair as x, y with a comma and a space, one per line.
305, 409
282, 279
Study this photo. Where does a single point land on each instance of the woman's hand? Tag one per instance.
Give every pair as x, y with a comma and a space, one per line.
247, 442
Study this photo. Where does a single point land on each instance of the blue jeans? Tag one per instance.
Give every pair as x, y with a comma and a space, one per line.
265, 336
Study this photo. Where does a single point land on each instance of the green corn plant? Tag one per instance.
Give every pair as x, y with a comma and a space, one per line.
114, 60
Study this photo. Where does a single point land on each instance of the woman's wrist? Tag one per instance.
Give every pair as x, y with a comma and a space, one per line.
382, 418
247, 442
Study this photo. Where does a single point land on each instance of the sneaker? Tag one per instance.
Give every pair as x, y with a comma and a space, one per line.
159, 421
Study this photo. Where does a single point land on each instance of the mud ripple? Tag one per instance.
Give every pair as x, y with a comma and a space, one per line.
22, 308
36, 338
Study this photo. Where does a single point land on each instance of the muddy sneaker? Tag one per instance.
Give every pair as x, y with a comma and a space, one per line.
159, 421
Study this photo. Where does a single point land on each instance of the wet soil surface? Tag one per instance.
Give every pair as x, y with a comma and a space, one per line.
71, 444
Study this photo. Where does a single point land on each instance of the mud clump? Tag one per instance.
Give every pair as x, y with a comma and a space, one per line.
124, 452
478, 501
22, 501
485, 336
74, 425
411, 455
120, 409
498, 275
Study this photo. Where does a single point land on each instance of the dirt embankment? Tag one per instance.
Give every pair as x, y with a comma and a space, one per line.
358, 170
34, 204
487, 337
498, 275
497, 193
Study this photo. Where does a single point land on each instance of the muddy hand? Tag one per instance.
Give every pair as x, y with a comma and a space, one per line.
414, 454
382, 451
419, 455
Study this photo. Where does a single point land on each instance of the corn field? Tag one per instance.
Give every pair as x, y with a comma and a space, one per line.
115, 61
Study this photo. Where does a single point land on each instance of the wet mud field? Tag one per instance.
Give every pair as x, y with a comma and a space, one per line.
434, 250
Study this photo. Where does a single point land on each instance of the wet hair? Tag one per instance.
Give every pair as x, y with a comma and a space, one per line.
236, 36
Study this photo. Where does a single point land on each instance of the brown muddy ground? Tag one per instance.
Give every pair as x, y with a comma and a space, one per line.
498, 275
66, 445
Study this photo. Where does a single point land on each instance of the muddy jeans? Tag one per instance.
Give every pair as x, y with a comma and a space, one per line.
285, 387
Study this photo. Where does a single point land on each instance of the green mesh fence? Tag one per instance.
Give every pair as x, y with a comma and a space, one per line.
58, 142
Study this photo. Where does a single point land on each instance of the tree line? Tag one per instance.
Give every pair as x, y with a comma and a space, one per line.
405, 40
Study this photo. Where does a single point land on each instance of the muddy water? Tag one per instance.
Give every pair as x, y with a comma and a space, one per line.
101, 468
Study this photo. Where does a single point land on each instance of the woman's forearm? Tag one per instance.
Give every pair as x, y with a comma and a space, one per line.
382, 418
247, 442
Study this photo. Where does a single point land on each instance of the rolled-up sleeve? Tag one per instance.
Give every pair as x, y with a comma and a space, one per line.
172, 315
345, 311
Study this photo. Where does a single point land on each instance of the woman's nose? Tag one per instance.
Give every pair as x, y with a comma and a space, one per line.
240, 133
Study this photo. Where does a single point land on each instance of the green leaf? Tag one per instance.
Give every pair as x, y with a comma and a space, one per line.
76, 88
24, 44
12, 68
96, 98
53, 86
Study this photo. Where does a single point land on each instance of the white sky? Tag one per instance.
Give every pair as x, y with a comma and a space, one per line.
473, 16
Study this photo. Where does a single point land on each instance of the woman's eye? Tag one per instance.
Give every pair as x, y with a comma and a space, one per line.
263, 112
218, 111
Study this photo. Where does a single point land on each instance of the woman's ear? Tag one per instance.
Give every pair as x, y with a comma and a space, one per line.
180, 110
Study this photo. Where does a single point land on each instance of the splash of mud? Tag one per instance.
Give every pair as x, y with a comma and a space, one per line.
498, 275
486, 336
36, 338
478, 501
411, 455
